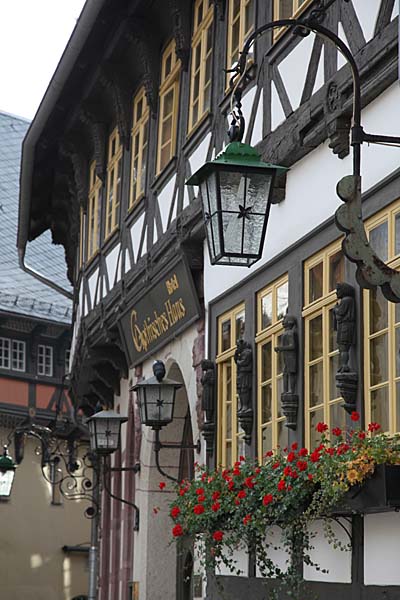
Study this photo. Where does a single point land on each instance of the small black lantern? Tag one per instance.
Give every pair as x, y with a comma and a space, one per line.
236, 191
7, 473
105, 431
156, 398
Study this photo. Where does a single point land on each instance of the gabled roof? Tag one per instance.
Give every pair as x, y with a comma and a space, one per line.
20, 292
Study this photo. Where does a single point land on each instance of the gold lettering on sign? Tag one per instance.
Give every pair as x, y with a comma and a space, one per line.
152, 328
172, 284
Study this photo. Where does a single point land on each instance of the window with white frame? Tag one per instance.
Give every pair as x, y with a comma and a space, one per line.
45, 360
12, 354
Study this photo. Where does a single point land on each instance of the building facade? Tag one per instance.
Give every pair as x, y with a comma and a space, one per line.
35, 338
140, 100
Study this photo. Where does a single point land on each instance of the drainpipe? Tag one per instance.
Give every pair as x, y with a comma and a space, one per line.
94, 541
40, 277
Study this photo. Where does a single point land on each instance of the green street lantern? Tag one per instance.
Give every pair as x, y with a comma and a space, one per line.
7, 472
156, 398
105, 431
236, 190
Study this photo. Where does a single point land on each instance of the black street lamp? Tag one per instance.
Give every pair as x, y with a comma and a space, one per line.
156, 399
7, 473
105, 431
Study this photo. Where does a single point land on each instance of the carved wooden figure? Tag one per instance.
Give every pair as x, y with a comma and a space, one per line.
243, 358
288, 348
344, 323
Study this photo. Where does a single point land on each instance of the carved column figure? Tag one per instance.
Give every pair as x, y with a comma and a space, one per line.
208, 403
243, 358
289, 350
344, 314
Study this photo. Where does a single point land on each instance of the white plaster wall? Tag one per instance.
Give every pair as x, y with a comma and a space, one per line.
112, 263
311, 191
198, 157
165, 197
277, 113
153, 547
136, 235
367, 13
292, 75
241, 563
92, 281
276, 551
336, 561
382, 549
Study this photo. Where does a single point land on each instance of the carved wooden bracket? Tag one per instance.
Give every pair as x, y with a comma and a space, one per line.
180, 14
339, 135
98, 138
79, 168
139, 33
120, 100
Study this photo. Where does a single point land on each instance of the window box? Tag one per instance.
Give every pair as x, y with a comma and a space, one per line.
380, 493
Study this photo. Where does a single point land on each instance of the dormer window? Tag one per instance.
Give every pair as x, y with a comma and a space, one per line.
140, 135
169, 101
114, 168
201, 66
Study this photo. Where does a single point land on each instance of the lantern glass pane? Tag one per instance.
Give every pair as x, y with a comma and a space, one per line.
107, 434
6, 481
92, 432
208, 189
159, 404
244, 204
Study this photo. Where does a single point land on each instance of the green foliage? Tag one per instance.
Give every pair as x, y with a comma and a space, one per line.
228, 509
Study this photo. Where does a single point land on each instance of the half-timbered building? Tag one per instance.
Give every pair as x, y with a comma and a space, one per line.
139, 101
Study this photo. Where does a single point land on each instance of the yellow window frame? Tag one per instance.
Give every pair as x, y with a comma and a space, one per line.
170, 70
82, 237
93, 212
269, 335
232, 54
314, 309
225, 363
113, 182
139, 146
200, 34
298, 8
391, 330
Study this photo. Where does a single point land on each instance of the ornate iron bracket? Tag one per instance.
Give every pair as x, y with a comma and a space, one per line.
159, 445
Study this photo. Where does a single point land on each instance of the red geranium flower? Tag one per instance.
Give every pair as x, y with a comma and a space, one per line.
337, 431
175, 511
242, 494
200, 491
236, 471
268, 454
236, 501
291, 456
201, 498
203, 477
198, 509
301, 465
294, 475
355, 416
362, 435
216, 495
321, 427
374, 427
231, 484
314, 456
242, 458
249, 481
268, 498
281, 485
246, 519
310, 476
287, 471
162, 485
303, 452
276, 465
330, 451
177, 531
216, 506
295, 446
218, 536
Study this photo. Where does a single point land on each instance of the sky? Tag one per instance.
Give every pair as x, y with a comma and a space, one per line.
33, 35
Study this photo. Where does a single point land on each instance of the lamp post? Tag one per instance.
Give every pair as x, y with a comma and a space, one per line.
371, 270
156, 399
7, 473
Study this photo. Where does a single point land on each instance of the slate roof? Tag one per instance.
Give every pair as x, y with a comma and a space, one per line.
20, 292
